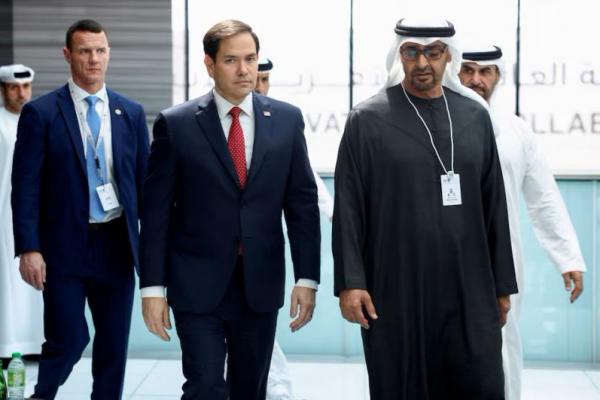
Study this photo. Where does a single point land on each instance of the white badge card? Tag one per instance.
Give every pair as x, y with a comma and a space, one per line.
108, 197
451, 190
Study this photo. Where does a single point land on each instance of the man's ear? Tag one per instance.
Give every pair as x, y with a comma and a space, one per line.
67, 55
210, 65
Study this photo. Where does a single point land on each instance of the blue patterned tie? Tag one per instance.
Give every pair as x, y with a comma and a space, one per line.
94, 180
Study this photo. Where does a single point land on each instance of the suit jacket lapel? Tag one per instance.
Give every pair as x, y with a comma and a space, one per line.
118, 128
65, 104
208, 119
262, 133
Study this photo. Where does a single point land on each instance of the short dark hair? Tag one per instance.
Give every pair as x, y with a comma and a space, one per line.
83, 25
224, 30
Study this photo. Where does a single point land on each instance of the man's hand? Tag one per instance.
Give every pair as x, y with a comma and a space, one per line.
33, 269
577, 278
303, 298
156, 316
352, 303
503, 308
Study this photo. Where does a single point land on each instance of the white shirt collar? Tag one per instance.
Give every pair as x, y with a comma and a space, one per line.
79, 94
223, 105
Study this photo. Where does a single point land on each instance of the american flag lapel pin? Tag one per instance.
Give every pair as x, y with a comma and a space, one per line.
267, 113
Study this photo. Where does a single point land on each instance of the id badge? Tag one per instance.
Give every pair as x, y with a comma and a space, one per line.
108, 197
451, 190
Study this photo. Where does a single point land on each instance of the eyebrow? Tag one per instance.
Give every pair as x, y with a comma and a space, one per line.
91, 47
240, 56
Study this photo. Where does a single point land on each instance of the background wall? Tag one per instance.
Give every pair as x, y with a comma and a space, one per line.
6, 34
139, 34
309, 42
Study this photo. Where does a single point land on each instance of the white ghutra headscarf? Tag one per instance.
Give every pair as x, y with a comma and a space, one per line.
425, 31
483, 55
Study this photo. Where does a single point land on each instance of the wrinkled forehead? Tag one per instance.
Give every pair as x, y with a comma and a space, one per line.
13, 85
88, 38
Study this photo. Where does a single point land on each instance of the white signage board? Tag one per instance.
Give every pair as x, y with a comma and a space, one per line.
308, 43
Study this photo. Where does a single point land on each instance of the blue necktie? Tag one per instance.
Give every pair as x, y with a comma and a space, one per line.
94, 179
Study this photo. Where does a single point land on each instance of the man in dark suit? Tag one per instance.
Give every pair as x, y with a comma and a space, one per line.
222, 169
78, 166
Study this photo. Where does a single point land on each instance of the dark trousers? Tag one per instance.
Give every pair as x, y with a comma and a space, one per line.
233, 329
107, 282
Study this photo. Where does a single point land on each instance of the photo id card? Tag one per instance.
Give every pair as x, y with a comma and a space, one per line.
451, 190
108, 197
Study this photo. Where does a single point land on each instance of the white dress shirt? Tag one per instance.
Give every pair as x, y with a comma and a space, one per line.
247, 123
78, 96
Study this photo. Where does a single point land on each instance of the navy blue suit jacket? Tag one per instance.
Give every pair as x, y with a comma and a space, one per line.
50, 199
195, 214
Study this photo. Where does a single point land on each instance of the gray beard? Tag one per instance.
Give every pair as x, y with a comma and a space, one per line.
424, 87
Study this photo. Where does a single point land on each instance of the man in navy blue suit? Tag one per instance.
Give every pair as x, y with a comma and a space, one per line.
78, 167
222, 169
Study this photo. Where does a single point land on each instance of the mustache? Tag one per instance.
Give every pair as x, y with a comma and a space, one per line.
424, 70
475, 86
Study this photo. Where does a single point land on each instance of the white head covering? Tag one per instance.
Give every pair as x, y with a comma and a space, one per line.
16, 73
265, 65
425, 31
485, 54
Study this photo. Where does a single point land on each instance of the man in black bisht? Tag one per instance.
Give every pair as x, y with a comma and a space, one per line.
421, 242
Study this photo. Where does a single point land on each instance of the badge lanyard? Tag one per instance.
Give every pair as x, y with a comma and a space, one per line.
451, 193
451, 172
106, 192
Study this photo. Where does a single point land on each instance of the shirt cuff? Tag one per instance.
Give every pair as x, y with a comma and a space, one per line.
153, 291
308, 283
572, 268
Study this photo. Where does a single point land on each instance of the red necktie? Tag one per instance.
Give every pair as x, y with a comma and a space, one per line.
237, 148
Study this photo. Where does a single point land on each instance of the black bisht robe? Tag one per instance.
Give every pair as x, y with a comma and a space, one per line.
433, 271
